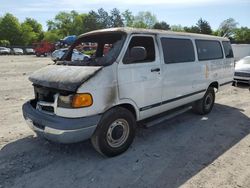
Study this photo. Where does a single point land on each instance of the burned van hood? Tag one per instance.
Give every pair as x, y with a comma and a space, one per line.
62, 77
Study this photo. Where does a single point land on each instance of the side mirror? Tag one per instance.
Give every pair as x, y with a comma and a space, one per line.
137, 53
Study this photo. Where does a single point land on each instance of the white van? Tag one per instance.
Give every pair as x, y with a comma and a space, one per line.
145, 73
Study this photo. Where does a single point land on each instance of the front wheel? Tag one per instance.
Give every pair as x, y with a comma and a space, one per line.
85, 58
115, 132
205, 105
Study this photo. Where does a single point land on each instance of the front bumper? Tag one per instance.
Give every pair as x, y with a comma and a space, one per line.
242, 79
59, 129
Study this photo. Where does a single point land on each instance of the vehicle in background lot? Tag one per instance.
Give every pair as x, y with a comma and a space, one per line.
145, 74
17, 51
76, 56
43, 48
79, 56
4, 51
66, 41
57, 54
29, 51
242, 70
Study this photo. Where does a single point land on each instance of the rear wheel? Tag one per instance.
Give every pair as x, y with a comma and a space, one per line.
205, 105
115, 132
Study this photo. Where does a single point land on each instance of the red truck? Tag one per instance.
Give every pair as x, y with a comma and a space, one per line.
43, 48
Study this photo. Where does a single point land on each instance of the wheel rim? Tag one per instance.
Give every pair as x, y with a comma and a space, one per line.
117, 133
208, 101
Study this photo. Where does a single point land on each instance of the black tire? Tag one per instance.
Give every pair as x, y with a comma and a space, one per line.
205, 105
85, 59
115, 120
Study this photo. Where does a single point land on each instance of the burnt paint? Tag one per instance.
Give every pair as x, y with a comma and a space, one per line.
67, 78
111, 96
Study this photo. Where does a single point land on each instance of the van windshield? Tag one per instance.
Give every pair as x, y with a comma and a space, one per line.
98, 49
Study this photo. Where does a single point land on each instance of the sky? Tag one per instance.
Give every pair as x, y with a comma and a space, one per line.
174, 12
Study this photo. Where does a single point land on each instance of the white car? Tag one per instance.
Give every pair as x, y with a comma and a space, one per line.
29, 51
4, 51
76, 56
242, 70
145, 76
17, 51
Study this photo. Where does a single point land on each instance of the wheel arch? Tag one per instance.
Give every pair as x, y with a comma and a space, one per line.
215, 85
129, 105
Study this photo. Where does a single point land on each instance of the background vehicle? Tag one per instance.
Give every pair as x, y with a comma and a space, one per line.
242, 70
57, 54
17, 51
76, 56
43, 48
29, 51
4, 51
66, 41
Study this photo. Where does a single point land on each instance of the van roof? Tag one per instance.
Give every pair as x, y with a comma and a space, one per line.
130, 30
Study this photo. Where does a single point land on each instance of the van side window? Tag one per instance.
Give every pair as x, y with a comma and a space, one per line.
228, 49
146, 43
177, 50
208, 50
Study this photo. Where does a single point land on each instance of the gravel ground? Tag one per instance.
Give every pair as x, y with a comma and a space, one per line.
186, 151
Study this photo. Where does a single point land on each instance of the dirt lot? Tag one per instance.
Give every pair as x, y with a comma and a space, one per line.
187, 151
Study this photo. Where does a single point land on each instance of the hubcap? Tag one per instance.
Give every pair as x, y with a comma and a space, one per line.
208, 101
117, 133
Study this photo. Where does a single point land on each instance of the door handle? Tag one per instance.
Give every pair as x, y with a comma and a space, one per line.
155, 70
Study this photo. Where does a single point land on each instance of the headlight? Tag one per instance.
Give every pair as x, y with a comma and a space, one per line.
75, 101
65, 101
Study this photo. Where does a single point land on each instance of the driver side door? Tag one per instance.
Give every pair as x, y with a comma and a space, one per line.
140, 81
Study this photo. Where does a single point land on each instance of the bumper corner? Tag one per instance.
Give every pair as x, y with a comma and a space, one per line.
60, 129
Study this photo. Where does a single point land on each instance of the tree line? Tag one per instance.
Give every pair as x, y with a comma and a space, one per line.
13, 32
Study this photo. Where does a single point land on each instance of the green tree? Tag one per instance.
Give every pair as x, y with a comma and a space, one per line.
52, 36
227, 27
116, 18
78, 24
145, 20
31, 31
192, 29
91, 22
103, 19
177, 28
128, 18
28, 36
161, 25
216, 33
67, 23
10, 29
204, 27
36, 27
242, 35
4, 43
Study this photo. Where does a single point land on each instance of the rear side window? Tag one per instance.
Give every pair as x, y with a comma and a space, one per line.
228, 49
208, 50
177, 50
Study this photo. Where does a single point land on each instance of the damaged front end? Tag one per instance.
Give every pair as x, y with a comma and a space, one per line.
56, 86
41, 113
62, 90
